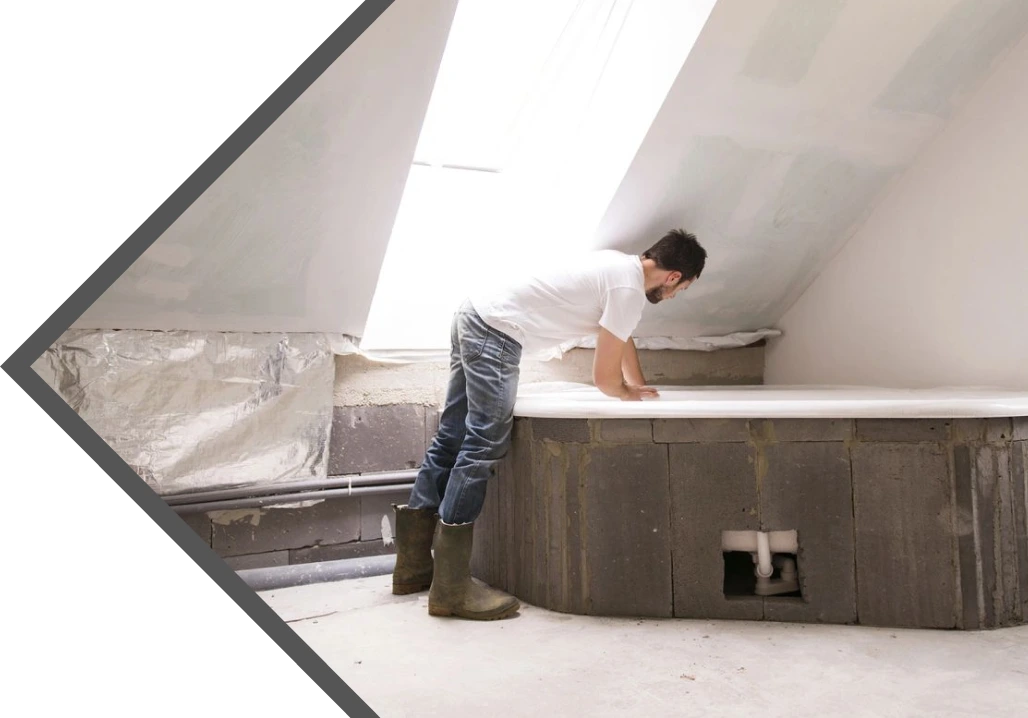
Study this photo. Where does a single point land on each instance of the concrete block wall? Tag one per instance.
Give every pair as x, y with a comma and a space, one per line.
365, 439
384, 419
900, 523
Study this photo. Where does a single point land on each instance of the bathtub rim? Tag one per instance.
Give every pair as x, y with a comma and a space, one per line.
560, 400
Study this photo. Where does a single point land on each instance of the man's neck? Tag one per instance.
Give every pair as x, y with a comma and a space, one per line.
651, 280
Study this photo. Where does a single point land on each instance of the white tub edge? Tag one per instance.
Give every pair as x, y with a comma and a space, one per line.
577, 401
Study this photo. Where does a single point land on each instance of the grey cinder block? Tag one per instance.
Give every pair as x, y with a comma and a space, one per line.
624, 430
807, 488
336, 552
997, 547
999, 430
246, 531
1020, 428
626, 531
1019, 481
903, 430
375, 508
376, 438
562, 430
713, 489
967, 550
691, 431
200, 523
811, 429
904, 540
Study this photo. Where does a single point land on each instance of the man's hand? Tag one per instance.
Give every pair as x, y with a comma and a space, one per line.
639, 393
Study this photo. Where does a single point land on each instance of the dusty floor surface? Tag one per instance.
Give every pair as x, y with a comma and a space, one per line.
403, 662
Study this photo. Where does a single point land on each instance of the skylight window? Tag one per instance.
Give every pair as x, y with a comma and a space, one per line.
537, 112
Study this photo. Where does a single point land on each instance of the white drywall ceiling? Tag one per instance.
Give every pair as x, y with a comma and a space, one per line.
292, 236
786, 125
782, 131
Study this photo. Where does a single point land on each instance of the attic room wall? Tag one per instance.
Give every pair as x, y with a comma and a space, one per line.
931, 290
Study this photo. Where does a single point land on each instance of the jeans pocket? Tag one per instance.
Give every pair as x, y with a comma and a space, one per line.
511, 352
472, 341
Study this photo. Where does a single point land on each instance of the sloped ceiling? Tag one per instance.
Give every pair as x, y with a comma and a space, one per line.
292, 236
785, 126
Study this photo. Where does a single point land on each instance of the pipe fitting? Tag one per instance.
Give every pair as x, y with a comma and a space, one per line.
764, 565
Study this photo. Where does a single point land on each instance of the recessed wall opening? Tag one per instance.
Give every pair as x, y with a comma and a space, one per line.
760, 564
741, 578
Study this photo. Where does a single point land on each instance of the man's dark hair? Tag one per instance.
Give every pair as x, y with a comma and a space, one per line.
678, 251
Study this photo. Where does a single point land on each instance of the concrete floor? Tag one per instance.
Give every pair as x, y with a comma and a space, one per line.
403, 662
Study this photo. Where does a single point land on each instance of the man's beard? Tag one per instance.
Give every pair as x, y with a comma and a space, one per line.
655, 295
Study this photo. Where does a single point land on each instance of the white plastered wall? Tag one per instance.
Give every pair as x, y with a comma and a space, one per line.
933, 289
292, 236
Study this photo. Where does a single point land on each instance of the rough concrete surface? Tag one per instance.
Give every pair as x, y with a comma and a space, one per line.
376, 438
403, 662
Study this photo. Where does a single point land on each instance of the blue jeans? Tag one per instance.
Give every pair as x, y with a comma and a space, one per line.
475, 426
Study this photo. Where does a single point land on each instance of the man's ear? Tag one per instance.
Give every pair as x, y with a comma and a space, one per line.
674, 278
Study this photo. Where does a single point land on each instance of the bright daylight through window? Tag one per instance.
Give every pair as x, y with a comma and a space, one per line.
536, 114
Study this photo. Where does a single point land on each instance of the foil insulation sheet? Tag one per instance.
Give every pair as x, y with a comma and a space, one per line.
195, 411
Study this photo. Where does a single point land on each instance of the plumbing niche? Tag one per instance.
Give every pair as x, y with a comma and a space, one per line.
760, 563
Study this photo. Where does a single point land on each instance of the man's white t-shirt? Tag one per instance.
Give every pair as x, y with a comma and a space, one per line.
604, 289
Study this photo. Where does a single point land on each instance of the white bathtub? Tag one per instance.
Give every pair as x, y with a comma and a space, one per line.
582, 401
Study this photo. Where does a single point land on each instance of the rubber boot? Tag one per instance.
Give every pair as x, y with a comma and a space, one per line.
414, 531
454, 592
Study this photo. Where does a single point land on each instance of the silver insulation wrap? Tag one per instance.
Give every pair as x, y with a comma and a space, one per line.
191, 411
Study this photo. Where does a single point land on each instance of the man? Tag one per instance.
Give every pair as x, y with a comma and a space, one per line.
604, 295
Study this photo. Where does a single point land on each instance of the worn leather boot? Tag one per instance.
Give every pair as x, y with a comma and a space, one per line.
414, 531
454, 592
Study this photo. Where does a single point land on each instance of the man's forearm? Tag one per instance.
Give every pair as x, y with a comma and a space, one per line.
613, 388
630, 366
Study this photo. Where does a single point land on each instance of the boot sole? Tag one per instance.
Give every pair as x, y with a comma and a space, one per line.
446, 613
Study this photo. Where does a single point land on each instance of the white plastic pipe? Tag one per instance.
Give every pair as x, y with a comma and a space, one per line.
764, 567
739, 541
780, 541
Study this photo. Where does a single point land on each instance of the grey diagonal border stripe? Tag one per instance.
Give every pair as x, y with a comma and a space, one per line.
19, 364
